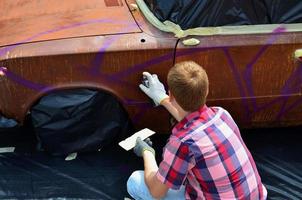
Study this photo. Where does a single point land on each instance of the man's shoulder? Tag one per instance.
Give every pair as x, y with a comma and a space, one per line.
177, 142
213, 118
216, 109
217, 114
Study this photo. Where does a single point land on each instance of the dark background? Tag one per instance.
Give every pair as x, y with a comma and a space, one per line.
30, 174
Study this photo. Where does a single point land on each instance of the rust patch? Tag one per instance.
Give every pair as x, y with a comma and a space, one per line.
110, 3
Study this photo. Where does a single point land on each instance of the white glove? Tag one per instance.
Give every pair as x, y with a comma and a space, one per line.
156, 90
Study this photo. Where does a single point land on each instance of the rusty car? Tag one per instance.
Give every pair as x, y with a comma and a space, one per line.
255, 71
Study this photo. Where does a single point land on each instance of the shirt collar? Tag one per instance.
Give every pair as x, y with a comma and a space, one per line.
189, 118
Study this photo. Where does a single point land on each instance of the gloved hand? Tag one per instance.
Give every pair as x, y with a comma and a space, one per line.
142, 146
156, 90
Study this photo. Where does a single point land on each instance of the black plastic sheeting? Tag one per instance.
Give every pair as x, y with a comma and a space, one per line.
79, 120
280, 11
207, 13
277, 153
97, 175
7, 123
28, 174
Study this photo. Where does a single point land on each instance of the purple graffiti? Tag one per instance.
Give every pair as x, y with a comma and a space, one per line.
95, 69
248, 71
293, 85
21, 81
239, 82
96, 64
36, 86
60, 28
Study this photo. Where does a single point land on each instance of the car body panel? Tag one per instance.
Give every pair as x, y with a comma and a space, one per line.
33, 20
256, 77
117, 70
51, 58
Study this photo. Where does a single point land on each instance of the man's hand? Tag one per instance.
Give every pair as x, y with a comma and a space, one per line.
142, 146
156, 90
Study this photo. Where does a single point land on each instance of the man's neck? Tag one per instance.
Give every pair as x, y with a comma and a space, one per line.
182, 113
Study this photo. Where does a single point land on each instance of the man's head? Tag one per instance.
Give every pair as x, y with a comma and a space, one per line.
189, 85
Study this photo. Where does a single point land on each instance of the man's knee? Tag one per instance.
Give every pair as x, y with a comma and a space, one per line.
134, 181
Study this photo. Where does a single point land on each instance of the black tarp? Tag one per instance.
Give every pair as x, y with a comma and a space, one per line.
280, 11
78, 121
96, 175
7, 123
27, 174
277, 153
207, 13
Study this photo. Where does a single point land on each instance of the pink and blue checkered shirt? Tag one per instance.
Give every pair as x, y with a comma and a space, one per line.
207, 154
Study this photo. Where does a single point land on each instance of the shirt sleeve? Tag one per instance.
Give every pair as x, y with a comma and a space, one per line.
175, 165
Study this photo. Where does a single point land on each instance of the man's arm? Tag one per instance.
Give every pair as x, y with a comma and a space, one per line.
156, 188
144, 149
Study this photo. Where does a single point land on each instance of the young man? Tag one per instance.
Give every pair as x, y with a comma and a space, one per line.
205, 157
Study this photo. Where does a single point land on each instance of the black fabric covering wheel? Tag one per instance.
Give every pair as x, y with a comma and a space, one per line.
79, 120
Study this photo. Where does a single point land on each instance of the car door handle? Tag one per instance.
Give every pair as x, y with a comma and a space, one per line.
298, 54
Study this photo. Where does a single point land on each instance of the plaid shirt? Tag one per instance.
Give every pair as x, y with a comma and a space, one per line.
207, 154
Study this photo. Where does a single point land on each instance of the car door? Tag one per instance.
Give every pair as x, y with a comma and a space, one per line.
254, 76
